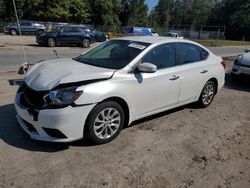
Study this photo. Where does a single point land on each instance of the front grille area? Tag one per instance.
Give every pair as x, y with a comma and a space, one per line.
31, 98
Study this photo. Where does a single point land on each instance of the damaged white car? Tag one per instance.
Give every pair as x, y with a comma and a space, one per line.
114, 84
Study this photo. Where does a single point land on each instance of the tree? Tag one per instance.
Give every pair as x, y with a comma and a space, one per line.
162, 14
48, 10
102, 12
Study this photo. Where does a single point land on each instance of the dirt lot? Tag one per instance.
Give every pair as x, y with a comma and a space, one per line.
185, 147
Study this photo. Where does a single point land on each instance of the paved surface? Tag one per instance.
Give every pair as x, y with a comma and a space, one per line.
184, 147
227, 51
11, 52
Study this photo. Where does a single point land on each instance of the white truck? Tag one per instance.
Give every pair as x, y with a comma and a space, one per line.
173, 35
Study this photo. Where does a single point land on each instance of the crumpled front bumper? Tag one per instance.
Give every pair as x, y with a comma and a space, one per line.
53, 125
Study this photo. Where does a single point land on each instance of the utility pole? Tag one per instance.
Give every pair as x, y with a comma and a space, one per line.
218, 36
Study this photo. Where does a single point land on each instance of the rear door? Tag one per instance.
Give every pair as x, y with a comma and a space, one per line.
76, 33
192, 60
160, 89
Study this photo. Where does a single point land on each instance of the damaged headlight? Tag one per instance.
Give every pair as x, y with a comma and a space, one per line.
64, 96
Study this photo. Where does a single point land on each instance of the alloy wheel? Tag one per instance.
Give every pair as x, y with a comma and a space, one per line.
208, 94
51, 42
107, 123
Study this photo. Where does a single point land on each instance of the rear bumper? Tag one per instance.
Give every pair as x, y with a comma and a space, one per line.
53, 125
238, 70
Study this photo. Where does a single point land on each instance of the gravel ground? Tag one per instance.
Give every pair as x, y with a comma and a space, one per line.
184, 147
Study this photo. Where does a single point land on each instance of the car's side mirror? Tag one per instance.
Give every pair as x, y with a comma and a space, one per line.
147, 67
247, 50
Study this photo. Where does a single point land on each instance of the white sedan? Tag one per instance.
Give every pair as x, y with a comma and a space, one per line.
114, 84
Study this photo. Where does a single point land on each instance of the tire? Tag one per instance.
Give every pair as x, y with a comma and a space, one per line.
207, 94
102, 120
13, 32
85, 43
51, 42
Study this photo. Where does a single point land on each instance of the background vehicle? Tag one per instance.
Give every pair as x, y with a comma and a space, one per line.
241, 65
97, 35
114, 84
173, 35
25, 27
140, 31
66, 35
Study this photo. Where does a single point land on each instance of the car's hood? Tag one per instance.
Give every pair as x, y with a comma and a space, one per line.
49, 74
244, 59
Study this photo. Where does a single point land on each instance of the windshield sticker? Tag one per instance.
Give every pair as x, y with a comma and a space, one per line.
138, 46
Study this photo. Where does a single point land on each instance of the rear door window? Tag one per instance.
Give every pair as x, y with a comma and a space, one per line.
188, 53
75, 29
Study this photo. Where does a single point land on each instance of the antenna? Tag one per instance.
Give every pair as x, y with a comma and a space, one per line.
20, 33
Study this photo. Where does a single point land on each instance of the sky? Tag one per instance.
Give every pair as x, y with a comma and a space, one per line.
151, 4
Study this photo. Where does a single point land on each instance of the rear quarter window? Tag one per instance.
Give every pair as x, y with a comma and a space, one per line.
204, 54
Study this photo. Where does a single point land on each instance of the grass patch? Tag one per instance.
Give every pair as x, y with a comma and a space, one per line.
212, 43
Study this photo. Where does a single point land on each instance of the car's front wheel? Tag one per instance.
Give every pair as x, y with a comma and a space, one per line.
207, 94
51, 42
13, 32
85, 43
105, 122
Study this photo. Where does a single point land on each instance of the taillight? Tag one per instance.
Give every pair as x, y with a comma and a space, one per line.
223, 64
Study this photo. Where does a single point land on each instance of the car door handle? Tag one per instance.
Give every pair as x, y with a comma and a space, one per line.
174, 78
204, 71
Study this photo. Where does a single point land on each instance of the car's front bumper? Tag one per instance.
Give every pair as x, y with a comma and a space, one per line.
53, 125
40, 40
239, 70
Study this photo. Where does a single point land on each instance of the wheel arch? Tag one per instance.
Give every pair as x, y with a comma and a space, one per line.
12, 29
213, 79
121, 102
124, 106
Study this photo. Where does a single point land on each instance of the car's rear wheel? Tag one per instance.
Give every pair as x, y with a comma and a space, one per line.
85, 43
105, 122
207, 94
13, 32
51, 42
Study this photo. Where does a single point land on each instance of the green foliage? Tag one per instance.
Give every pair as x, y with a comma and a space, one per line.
235, 14
104, 12
138, 13
48, 10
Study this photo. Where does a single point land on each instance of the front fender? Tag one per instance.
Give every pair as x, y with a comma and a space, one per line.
97, 92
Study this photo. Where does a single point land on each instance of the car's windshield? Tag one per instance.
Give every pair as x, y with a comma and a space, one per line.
114, 54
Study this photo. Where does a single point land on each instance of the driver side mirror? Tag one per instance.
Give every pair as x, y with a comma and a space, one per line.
147, 67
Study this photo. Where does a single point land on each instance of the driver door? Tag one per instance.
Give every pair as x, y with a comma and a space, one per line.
64, 35
160, 89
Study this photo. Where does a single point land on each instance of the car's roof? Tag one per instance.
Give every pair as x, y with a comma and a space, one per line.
151, 39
